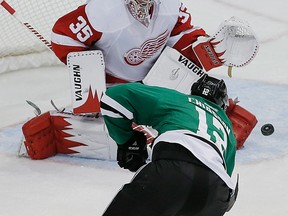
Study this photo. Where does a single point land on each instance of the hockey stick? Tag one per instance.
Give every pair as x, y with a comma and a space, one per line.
28, 26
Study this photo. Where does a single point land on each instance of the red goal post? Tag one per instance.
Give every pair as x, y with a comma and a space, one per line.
25, 32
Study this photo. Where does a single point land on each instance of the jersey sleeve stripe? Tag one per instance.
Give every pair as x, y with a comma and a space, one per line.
106, 112
115, 107
175, 38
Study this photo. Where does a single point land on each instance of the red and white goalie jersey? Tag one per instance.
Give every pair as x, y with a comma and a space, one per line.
130, 48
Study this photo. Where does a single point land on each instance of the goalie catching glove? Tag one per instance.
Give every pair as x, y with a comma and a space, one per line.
133, 154
234, 44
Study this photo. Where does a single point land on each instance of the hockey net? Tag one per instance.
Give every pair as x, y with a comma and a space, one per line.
19, 47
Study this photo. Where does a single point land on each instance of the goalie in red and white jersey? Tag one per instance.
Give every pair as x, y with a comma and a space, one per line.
130, 33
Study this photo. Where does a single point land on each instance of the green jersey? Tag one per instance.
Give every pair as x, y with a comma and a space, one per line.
167, 110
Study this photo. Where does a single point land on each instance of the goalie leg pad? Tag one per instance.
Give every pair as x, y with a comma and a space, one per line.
53, 132
83, 136
243, 122
62, 133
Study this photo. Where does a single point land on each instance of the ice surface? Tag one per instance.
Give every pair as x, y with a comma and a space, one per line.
64, 185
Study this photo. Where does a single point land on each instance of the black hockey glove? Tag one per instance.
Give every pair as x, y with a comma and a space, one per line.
133, 154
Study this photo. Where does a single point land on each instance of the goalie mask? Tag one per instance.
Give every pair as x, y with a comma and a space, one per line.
140, 10
212, 89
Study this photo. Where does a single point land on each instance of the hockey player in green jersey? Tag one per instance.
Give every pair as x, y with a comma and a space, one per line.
192, 157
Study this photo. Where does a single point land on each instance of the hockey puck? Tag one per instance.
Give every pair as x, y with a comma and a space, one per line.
267, 129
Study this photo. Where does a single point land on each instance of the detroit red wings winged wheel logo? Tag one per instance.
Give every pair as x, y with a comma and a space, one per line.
137, 55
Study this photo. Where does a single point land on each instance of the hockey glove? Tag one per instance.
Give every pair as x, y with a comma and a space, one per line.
204, 49
233, 44
133, 154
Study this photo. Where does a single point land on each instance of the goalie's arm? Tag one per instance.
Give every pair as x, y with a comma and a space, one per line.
233, 44
184, 34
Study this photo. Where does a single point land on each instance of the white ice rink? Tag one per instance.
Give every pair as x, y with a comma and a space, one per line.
62, 185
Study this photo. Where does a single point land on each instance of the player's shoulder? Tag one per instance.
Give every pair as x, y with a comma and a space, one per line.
108, 15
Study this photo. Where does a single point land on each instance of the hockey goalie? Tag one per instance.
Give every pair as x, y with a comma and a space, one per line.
104, 43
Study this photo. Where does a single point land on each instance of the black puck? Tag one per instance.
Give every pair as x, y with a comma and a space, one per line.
267, 129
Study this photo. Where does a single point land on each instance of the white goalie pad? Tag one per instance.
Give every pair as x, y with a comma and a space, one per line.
237, 40
56, 132
87, 137
173, 70
87, 76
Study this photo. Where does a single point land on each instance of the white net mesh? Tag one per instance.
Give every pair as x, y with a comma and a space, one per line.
19, 48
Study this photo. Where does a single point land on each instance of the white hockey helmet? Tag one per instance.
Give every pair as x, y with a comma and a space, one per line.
140, 10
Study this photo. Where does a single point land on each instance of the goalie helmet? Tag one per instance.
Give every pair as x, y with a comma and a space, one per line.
140, 10
212, 89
